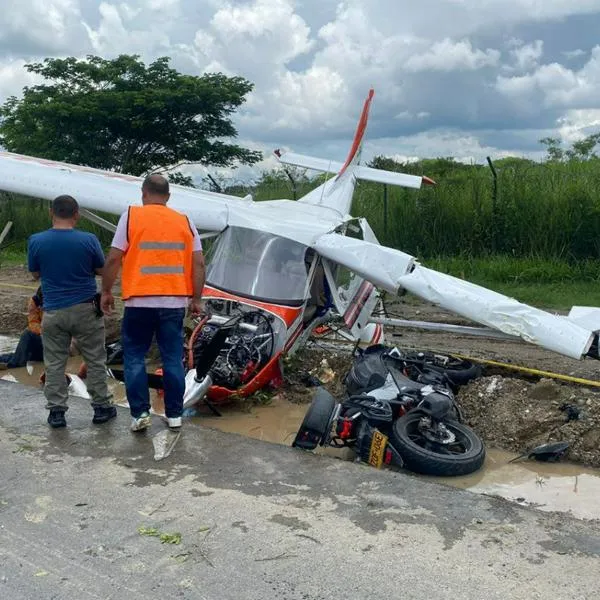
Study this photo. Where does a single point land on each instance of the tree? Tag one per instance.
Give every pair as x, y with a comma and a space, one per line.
554, 152
178, 178
580, 150
125, 116
584, 149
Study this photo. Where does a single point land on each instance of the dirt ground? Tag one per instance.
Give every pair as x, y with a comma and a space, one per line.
16, 287
507, 410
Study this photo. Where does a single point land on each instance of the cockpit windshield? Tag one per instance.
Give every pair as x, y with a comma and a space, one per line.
259, 265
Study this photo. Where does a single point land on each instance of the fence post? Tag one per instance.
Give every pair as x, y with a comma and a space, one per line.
217, 187
494, 204
294, 189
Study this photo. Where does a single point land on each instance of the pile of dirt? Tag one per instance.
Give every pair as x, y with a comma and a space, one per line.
312, 367
517, 415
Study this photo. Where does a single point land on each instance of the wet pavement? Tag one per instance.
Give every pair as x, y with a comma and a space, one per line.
86, 512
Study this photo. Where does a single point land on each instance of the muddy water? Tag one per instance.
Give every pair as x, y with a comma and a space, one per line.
7, 343
559, 487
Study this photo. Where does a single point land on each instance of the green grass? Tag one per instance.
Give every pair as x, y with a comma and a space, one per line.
507, 269
557, 296
548, 283
13, 256
540, 209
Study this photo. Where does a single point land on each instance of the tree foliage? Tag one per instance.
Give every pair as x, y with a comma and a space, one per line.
179, 178
583, 149
125, 116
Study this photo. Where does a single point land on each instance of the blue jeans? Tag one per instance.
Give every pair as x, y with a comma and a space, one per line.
28, 348
138, 329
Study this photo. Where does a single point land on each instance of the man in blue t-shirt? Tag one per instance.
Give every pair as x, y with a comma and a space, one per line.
67, 261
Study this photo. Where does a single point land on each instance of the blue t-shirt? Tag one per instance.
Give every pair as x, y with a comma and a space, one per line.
66, 260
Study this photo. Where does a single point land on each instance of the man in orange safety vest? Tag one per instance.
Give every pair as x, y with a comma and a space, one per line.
163, 268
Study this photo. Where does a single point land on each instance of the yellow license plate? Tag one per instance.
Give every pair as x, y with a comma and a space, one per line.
377, 450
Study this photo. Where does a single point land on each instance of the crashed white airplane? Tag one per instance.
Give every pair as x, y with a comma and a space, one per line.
319, 221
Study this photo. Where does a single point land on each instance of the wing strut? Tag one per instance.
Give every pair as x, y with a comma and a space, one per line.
94, 218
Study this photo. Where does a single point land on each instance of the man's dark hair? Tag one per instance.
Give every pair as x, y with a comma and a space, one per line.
156, 184
64, 207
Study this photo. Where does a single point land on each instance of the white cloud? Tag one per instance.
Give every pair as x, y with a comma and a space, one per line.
117, 31
527, 56
570, 54
448, 55
46, 25
440, 143
554, 85
577, 124
259, 34
13, 77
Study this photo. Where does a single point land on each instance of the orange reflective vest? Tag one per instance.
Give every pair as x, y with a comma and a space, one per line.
158, 260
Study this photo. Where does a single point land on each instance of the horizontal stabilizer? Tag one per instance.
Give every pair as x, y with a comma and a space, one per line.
360, 172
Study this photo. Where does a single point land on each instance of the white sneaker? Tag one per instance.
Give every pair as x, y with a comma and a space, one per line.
142, 422
174, 422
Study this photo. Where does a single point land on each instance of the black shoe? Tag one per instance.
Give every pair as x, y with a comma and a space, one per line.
104, 413
56, 418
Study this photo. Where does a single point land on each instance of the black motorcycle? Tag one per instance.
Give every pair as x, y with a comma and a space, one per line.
399, 411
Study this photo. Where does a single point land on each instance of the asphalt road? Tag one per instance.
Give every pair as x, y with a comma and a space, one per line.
82, 511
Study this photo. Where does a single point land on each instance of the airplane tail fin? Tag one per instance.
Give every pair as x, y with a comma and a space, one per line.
336, 193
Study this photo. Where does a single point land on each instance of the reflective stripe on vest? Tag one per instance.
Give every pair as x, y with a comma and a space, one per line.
160, 270
162, 246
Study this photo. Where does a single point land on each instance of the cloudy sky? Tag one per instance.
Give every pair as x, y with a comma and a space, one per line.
465, 78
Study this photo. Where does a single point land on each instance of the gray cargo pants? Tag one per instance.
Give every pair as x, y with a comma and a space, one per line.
58, 328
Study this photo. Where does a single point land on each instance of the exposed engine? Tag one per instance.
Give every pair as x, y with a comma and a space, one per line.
233, 344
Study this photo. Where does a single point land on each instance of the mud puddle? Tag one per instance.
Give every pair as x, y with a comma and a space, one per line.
553, 487
8, 343
562, 487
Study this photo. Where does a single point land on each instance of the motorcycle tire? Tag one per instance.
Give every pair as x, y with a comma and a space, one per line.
317, 421
419, 454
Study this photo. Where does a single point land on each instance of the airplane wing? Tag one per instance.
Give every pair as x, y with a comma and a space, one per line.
393, 270
106, 191
380, 265
112, 193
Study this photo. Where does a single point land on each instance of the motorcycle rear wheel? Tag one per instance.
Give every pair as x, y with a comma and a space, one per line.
464, 456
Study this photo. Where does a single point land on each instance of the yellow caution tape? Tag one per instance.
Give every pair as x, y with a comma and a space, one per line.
17, 285
530, 371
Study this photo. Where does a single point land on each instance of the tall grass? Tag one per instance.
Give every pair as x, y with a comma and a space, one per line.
541, 211
30, 216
